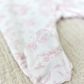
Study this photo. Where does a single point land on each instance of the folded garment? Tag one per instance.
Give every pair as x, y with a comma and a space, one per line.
29, 28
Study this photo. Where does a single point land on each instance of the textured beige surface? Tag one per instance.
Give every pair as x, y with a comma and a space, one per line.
71, 34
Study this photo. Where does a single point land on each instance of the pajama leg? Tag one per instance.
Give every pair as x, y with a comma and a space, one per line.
46, 60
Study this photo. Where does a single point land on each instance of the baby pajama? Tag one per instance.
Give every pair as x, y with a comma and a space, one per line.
29, 28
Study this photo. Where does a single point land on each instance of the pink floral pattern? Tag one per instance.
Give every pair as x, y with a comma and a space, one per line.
39, 66
30, 22
20, 9
48, 78
38, 39
8, 33
59, 65
66, 75
47, 10
39, 79
46, 59
30, 31
31, 46
46, 56
20, 56
14, 44
56, 82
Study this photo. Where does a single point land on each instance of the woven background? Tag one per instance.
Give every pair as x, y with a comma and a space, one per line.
71, 34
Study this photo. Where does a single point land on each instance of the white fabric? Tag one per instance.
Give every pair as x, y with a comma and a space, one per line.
29, 27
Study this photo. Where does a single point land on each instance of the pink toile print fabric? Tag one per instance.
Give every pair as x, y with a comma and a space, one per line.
29, 27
